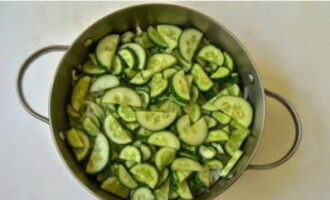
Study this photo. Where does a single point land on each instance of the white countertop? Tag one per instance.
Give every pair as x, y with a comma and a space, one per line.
289, 41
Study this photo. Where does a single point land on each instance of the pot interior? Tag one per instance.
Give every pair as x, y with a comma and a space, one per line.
144, 15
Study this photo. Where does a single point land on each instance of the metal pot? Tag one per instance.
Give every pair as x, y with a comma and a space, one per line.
143, 15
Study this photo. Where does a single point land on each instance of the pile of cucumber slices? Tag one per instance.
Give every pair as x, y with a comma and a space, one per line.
157, 114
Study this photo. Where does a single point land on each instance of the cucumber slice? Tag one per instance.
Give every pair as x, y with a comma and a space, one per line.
188, 43
209, 106
189, 154
169, 106
127, 37
93, 58
115, 131
211, 54
105, 50
192, 134
229, 63
104, 82
204, 176
235, 157
146, 152
117, 66
81, 153
129, 57
164, 139
164, 157
180, 87
218, 147
125, 178
145, 174
72, 113
194, 93
138, 79
182, 175
130, 153
139, 52
217, 136
74, 139
126, 113
170, 34
173, 194
96, 110
234, 90
226, 129
221, 117
157, 63
222, 73
79, 92
185, 65
144, 132
113, 185
143, 193
157, 85
184, 190
193, 110
168, 73
91, 127
144, 97
215, 164
235, 141
156, 38
132, 126
186, 164
155, 121
164, 176
210, 121
207, 152
129, 163
237, 108
90, 68
99, 156
201, 79
144, 41
123, 96
162, 193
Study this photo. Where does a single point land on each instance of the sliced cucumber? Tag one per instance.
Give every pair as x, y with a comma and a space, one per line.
229, 63
117, 66
157, 85
182, 175
125, 178
188, 43
157, 63
193, 110
139, 52
164, 139
89, 125
180, 87
186, 164
194, 93
184, 190
217, 136
218, 147
209, 106
207, 152
129, 57
170, 34
215, 164
126, 113
138, 79
74, 139
145, 174
127, 37
168, 73
99, 156
164, 157
228, 167
143, 193
201, 79
210, 121
235, 141
237, 108
105, 50
164, 176
183, 64
234, 90
115, 131
155, 121
192, 134
211, 54
81, 152
146, 152
221, 73
144, 132
79, 92
221, 117
123, 96
169, 106
162, 193
96, 110
113, 185
144, 97
72, 113
90, 68
104, 82
156, 38
131, 153
204, 176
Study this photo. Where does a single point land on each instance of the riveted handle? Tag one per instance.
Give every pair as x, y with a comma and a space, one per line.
22, 71
298, 133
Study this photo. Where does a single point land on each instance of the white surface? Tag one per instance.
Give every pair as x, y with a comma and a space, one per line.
289, 41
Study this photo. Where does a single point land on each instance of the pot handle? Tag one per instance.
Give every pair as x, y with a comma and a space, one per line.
22, 70
298, 133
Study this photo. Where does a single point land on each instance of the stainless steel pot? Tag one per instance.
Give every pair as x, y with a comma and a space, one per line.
143, 15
